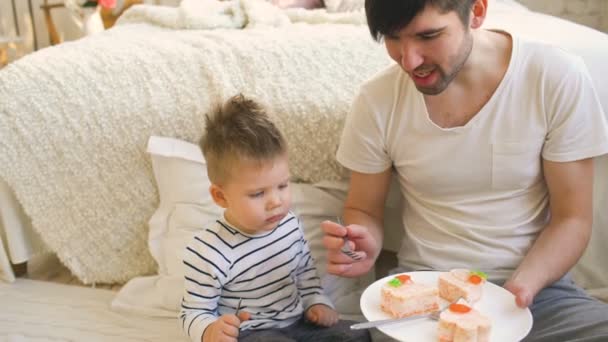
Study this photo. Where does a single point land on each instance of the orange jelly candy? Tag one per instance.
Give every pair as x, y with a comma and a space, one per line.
404, 278
459, 308
475, 279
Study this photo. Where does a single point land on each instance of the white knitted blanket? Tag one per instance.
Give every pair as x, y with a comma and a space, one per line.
75, 118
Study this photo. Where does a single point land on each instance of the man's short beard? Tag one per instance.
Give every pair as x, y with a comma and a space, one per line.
445, 79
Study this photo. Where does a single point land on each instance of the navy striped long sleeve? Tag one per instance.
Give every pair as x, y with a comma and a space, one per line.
273, 273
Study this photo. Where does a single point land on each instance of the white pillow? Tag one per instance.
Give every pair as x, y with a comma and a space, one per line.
185, 206
344, 5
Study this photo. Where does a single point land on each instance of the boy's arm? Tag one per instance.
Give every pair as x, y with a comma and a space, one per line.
562, 242
308, 281
202, 287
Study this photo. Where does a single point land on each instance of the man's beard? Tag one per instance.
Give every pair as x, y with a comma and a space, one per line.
446, 78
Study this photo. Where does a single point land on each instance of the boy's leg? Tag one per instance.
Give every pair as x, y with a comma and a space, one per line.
564, 312
266, 335
306, 331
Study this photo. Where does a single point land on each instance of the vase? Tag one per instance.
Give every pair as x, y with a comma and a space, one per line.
91, 20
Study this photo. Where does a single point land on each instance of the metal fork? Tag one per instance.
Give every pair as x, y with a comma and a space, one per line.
367, 325
346, 249
238, 307
433, 316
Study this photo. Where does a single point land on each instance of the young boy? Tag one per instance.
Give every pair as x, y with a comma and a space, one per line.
250, 276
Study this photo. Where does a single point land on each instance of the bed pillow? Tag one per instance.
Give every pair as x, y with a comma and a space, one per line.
307, 4
183, 191
344, 5
185, 205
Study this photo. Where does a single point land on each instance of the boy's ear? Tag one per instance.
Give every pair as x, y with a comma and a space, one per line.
218, 196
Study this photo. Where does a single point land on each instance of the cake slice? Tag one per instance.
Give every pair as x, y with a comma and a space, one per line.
461, 283
401, 297
461, 323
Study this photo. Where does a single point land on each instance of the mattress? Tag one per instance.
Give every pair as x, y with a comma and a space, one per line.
34, 310
53, 305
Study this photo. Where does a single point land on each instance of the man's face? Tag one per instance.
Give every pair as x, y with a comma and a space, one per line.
431, 49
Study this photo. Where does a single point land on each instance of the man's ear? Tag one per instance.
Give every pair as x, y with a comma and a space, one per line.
217, 193
478, 13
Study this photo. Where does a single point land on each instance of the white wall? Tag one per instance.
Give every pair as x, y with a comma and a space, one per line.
593, 13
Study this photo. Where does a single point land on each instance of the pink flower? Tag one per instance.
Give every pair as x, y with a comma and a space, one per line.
107, 3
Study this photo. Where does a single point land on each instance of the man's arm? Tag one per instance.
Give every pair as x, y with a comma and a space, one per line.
562, 242
363, 219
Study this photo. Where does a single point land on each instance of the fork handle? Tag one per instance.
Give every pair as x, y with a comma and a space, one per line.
373, 324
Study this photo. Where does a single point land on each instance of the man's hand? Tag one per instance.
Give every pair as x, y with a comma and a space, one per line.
562, 242
322, 315
524, 296
361, 241
225, 329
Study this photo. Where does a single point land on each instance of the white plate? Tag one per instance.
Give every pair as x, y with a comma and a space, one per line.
509, 323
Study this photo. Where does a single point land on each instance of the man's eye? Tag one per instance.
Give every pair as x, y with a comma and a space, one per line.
428, 36
390, 36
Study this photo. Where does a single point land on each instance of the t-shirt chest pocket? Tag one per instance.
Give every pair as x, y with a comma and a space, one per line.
516, 165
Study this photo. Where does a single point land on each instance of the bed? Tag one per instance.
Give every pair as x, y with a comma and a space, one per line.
100, 183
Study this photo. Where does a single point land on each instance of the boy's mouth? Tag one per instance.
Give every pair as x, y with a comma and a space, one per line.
274, 218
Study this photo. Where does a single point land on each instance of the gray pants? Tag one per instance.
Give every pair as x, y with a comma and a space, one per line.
305, 332
565, 312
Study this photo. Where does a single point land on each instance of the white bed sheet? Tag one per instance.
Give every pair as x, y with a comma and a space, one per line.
18, 240
35, 310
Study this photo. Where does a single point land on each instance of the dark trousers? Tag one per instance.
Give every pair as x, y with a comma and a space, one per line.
305, 331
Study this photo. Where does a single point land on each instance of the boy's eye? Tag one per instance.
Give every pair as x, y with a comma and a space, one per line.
283, 186
256, 194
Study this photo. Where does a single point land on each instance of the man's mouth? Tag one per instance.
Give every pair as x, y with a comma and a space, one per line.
423, 73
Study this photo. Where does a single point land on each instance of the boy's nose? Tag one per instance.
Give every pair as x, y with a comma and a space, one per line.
274, 200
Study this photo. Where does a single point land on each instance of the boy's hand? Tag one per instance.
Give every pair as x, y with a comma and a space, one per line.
322, 315
225, 329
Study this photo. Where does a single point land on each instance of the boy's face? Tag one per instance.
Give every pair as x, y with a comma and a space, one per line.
257, 195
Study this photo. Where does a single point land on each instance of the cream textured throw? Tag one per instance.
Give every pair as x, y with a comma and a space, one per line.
75, 118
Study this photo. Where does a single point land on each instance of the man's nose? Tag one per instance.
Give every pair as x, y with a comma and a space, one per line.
411, 58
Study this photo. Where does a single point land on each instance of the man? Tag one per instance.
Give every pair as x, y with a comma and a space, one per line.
491, 138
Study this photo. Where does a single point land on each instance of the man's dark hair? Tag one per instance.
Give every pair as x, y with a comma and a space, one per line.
387, 17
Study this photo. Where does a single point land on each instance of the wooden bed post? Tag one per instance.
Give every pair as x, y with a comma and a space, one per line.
50, 25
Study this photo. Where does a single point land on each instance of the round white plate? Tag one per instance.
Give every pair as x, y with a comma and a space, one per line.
509, 322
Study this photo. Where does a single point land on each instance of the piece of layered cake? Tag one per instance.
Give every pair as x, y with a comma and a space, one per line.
461, 323
461, 283
402, 297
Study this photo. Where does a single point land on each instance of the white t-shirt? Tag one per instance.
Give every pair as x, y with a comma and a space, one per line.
475, 195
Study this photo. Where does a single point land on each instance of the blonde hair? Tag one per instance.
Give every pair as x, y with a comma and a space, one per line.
239, 130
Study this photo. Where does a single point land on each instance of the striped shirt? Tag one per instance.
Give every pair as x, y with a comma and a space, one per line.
273, 273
